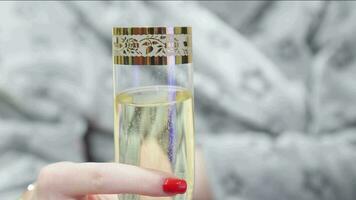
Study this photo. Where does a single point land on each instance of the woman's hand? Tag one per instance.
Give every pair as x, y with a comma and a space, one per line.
89, 181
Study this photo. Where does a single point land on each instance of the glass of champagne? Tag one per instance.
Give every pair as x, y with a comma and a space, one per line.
153, 91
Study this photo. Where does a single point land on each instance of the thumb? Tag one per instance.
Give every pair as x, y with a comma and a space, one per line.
79, 179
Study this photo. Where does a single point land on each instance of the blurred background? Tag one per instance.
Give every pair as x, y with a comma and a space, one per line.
275, 91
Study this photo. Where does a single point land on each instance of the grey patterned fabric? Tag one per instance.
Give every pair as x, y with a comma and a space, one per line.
275, 91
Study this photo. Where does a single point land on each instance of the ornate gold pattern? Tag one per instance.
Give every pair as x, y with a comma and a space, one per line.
151, 45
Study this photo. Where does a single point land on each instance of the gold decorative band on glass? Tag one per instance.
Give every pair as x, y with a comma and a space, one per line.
152, 45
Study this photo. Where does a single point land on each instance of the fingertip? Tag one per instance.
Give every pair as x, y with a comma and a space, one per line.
174, 186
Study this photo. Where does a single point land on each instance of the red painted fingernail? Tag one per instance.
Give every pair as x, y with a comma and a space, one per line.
174, 186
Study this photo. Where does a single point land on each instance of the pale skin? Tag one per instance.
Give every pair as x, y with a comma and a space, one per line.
103, 181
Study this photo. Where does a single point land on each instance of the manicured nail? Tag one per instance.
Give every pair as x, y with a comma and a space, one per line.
174, 186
